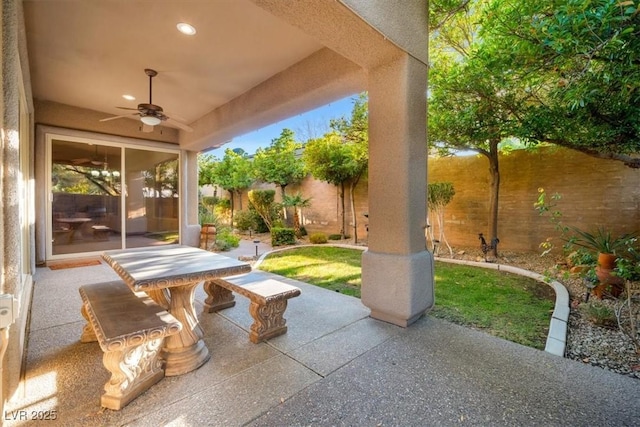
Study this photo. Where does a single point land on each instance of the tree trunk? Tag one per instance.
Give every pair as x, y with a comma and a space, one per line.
494, 170
352, 199
441, 237
231, 205
341, 190
285, 217
296, 222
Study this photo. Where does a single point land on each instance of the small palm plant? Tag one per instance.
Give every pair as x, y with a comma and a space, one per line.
297, 202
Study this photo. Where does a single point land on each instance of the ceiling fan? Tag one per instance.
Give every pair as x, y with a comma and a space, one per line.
95, 160
150, 114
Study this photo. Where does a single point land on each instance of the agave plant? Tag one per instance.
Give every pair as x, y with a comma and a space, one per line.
601, 241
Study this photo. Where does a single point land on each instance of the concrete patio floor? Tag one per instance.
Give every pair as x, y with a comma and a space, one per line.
335, 366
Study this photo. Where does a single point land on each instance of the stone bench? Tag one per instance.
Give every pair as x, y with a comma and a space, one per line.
268, 304
101, 232
130, 329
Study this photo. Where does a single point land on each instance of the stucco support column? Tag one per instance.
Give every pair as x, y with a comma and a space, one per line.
397, 270
190, 228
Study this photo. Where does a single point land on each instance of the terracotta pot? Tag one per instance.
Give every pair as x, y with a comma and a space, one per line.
608, 282
208, 236
607, 261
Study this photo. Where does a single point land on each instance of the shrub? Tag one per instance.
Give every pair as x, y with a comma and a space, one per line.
225, 240
335, 237
263, 203
244, 220
260, 225
599, 313
282, 236
222, 210
207, 217
303, 231
582, 257
318, 238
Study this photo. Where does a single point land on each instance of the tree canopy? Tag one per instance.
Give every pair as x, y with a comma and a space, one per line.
232, 173
279, 163
564, 72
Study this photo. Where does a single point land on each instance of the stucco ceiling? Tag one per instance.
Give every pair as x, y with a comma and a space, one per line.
89, 53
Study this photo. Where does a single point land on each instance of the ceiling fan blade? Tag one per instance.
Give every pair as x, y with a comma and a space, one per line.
118, 117
179, 125
147, 128
79, 161
127, 108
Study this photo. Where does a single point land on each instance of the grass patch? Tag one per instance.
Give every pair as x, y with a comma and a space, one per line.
513, 307
506, 305
337, 269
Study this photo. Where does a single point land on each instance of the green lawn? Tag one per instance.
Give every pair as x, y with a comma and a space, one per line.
505, 305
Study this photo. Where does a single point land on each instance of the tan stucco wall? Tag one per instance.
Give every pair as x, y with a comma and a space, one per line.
404, 26
317, 80
66, 116
14, 78
595, 193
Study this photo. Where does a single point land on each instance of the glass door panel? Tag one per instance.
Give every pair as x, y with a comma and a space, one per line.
151, 198
85, 197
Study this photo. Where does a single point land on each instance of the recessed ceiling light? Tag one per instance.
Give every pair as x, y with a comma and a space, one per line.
185, 28
129, 97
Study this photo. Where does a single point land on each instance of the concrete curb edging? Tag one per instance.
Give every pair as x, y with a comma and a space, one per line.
557, 337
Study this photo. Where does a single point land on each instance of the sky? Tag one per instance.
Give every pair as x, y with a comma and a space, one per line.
312, 124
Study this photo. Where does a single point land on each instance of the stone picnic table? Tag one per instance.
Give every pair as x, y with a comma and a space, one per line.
178, 269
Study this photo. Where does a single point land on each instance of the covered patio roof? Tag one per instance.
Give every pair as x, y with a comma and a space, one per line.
250, 63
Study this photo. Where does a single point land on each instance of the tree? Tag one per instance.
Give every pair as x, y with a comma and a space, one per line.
232, 173
355, 134
580, 61
279, 164
328, 160
263, 203
206, 166
470, 105
296, 202
439, 195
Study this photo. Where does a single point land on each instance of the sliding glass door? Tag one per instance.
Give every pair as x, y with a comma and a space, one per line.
151, 200
111, 197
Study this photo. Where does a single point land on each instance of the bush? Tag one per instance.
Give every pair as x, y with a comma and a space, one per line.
282, 236
225, 240
318, 238
260, 225
599, 313
245, 220
207, 217
335, 237
582, 257
303, 231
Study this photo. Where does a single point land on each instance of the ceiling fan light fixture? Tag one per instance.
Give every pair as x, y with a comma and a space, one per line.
186, 29
150, 120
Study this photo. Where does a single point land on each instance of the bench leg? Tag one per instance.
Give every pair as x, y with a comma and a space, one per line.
88, 334
218, 297
133, 371
268, 320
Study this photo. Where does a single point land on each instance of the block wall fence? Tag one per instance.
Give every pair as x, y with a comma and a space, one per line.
595, 193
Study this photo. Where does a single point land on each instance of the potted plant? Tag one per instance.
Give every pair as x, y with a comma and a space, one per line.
606, 247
